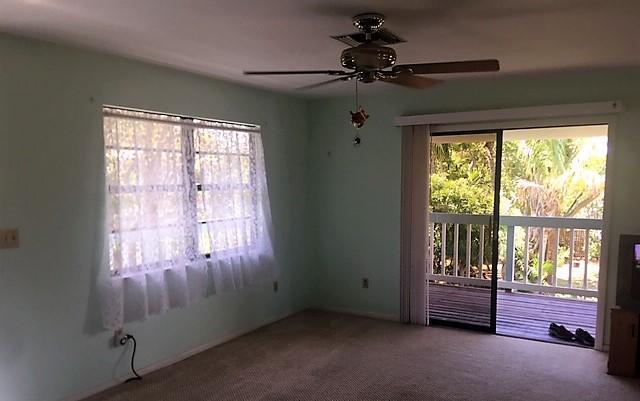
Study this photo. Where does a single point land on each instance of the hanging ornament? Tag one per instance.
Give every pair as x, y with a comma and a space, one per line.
358, 118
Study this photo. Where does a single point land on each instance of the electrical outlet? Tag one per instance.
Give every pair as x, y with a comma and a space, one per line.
9, 238
118, 336
275, 286
365, 283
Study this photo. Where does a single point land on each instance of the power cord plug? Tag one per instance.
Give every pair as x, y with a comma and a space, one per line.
123, 341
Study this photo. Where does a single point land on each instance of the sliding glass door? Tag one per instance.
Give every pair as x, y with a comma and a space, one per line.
464, 211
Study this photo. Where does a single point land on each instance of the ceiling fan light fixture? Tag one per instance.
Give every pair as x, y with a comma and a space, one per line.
368, 57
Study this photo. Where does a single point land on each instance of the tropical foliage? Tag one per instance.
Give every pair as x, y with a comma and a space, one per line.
543, 177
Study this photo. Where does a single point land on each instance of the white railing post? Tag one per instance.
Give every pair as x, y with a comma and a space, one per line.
525, 255
432, 230
456, 240
468, 250
586, 258
571, 245
555, 260
540, 255
443, 249
481, 252
511, 253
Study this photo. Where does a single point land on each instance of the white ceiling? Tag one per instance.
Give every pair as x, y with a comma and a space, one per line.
224, 37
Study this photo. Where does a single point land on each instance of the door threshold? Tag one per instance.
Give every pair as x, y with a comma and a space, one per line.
459, 325
550, 340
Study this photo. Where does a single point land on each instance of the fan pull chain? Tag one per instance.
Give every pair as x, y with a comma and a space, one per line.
357, 102
358, 117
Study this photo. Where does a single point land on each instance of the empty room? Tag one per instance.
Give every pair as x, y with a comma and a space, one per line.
319, 200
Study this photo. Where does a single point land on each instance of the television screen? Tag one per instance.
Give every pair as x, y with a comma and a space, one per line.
628, 291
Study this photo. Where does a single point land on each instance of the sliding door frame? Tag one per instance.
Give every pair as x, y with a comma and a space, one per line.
495, 240
607, 278
495, 228
558, 115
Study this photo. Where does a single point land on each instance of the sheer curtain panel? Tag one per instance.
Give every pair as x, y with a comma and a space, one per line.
187, 212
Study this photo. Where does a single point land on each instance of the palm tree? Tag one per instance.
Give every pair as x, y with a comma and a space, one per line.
552, 177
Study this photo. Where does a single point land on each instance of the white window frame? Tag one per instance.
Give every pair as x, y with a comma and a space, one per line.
189, 125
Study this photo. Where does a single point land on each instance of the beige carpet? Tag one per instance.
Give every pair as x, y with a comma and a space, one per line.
325, 356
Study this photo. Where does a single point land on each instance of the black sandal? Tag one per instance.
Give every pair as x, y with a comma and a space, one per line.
584, 338
561, 332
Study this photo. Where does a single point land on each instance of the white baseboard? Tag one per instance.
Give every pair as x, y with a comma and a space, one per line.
180, 357
354, 312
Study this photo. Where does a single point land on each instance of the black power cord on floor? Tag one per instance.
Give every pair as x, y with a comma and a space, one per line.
123, 341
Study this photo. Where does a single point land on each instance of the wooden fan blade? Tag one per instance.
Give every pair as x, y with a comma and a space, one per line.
323, 83
412, 81
451, 67
298, 72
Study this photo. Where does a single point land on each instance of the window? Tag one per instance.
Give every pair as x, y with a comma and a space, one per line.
181, 189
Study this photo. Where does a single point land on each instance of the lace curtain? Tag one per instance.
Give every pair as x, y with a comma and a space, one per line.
187, 212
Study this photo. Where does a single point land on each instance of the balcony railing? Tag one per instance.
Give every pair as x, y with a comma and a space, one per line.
569, 251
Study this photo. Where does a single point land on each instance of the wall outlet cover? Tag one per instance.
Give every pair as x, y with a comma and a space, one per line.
118, 335
365, 283
9, 238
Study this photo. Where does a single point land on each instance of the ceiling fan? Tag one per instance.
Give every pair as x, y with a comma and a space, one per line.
370, 59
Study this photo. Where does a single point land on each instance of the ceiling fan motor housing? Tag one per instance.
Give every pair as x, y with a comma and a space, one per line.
368, 57
368, 22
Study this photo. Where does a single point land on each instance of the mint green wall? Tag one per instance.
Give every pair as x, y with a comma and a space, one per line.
356, 191
336, 208
51, 180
